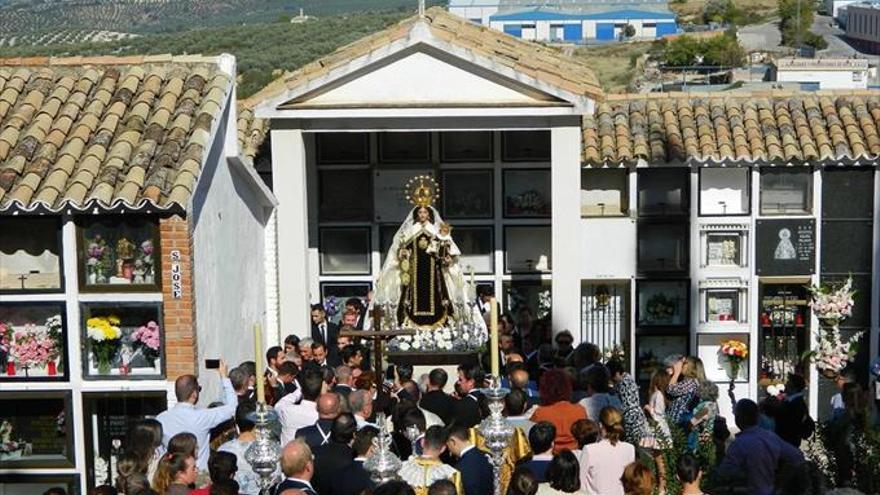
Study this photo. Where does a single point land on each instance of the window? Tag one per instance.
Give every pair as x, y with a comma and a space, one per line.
118, 253
722, 305
604, 312
404, 147
345, 195
39, 429
30, 254
604, 192
662, 247
345, 251
723, 249
33, 342
527, 249
467, 193
108, 417
123, 340
342, 148
724, 191
663, 192
786, 192
525, 146
557, 32
527, 193
662, 303
470, 146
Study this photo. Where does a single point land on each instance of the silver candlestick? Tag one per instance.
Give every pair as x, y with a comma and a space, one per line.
412, 434
264, 451
383, 465
495, 429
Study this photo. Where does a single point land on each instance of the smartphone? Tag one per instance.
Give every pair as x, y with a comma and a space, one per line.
212, 364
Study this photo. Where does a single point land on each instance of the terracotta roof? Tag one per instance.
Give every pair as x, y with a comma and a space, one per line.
106, 132
773, 127
544, 63
252, 132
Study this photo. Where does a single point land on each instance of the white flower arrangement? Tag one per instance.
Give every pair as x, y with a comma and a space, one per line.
816, 452
833, 305
444, 339
101, 468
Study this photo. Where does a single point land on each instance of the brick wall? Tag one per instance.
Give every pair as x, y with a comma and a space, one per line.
180, 337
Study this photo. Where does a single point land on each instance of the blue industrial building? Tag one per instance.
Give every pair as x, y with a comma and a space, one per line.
571, 21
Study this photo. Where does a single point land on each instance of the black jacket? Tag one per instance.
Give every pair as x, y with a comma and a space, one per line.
289, 483
332, 334
476, 473
330, 459
312, 434
439, 403
352, 480
467, 410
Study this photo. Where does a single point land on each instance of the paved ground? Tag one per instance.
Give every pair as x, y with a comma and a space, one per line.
761, 37
837, 45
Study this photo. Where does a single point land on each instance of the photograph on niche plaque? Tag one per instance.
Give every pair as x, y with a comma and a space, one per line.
786, 247
36, 430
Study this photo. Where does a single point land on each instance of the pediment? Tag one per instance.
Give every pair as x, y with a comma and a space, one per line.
422, 76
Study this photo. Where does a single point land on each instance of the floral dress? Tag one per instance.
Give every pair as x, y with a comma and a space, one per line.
683, 395
634, 422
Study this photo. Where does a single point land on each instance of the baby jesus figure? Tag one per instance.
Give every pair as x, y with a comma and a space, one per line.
447, 252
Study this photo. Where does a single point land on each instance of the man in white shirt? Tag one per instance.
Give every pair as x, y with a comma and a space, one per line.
184, 417
294, 416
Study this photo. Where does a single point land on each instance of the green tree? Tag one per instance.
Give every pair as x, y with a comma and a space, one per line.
629, 31
795, 21
722, 50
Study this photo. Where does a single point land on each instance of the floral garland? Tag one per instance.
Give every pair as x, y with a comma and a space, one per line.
832, 306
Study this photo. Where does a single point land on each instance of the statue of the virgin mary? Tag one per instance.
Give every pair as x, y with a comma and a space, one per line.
421, 272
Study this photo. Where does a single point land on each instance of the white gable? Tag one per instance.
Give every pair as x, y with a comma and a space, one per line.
423, 79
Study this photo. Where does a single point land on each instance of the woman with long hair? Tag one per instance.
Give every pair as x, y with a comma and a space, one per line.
563, 475
603, 462
522, 482
144, 445
556, 408
684, 385
656, 406
175, 474
129, 478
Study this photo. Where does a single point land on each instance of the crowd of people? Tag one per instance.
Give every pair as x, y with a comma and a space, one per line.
587, 425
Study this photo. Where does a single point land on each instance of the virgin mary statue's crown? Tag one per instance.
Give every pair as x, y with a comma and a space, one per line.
422, 190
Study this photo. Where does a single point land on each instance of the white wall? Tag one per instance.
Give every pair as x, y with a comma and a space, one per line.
228, 267
609, 248
828, 79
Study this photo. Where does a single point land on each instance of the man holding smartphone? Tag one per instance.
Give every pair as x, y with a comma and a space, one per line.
185, 417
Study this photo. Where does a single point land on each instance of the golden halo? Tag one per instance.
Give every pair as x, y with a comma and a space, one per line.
422, 190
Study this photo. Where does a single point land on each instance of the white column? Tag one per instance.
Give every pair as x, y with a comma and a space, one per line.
874, 332
289, 179
565, 166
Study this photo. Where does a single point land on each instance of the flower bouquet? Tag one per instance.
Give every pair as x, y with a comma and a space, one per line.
54, 332
32, 347
145, 260
97, 260
735, 352
104, 339
5, 345
832, 305
660, 308
146, 339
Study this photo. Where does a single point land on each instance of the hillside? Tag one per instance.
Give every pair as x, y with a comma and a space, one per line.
262, 50
149, 16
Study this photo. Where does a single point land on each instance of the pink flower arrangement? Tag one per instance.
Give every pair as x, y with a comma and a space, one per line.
147, 338
32, 347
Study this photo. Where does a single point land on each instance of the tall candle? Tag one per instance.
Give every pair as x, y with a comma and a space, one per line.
493, 343
473, 287
258, 350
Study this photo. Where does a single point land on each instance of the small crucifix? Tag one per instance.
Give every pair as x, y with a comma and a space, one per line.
22, 278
